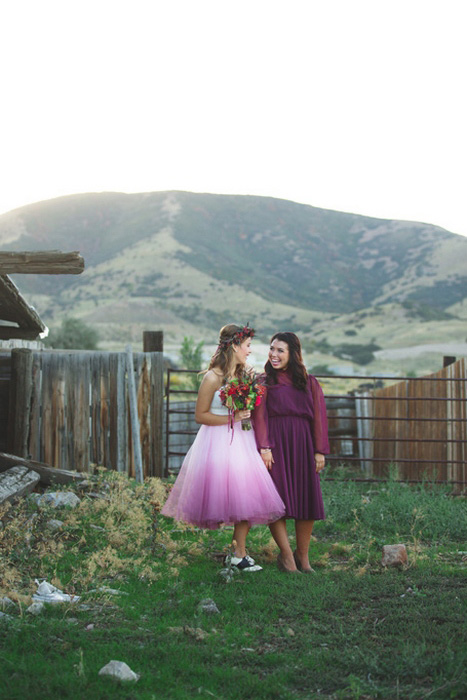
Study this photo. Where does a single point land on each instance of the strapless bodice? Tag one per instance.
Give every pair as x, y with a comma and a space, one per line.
216, 406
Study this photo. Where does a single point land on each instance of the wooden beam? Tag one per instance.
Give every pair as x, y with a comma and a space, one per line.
16, 482
48, 475
43, 262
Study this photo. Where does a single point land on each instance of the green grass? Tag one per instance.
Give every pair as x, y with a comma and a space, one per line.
351, 630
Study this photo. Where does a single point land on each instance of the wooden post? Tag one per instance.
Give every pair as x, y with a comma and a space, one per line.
117, 411
134, 416
20, 401
153, 341
157, 412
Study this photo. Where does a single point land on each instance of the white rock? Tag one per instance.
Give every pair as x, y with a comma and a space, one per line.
119, 670
112, 591
36, 608
5, 617
54, 524
207, 605
6, 603
58, 499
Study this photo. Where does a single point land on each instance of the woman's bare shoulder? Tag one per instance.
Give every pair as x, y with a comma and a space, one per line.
213, 377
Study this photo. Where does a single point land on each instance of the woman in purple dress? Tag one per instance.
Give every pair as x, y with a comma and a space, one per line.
291, 434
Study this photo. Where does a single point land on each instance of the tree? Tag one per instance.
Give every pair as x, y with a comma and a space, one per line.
191, 357
73, 334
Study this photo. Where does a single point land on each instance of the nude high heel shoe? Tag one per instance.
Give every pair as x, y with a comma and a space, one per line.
282, 567
300, 567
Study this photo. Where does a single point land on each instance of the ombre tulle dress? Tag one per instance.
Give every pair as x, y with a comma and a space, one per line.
223, 479
293, 424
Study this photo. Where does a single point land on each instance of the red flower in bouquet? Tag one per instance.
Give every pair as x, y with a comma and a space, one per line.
242, 394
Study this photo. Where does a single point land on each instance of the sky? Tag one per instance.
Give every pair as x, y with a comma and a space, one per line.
353, 105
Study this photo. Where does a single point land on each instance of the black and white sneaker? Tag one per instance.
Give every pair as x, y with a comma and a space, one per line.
245, 564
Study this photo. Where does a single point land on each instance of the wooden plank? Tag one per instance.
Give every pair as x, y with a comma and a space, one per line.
144, 397
80, 427
117, 423
157, 412
133, 405
48, 262
104, 408
95, 448
48, 475
20, 401
17, 481
34, 445
78, 431
59, 413
46, 451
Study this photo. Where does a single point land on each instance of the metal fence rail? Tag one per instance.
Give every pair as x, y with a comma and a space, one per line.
416, 425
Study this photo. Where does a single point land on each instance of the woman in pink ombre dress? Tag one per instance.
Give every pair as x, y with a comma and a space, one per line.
291, 434
223, 480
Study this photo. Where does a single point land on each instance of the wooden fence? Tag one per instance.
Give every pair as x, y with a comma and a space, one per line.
71, 409
421, 426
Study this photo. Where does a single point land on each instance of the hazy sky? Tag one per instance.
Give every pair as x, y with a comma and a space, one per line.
354, 105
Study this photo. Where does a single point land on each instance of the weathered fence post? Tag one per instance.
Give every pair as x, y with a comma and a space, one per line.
157, 406
20, 401
134, 415
153, 341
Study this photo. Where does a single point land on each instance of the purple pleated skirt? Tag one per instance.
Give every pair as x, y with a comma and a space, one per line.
294, 469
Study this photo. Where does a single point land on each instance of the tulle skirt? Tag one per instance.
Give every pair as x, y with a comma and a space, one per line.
223, 480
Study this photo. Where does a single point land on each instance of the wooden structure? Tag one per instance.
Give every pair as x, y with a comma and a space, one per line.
17, 318
421, 426
70, 409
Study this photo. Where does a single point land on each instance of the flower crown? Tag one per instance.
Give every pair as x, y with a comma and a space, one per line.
237, 338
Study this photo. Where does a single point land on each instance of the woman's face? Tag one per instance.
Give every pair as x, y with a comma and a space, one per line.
279, 354
242, 351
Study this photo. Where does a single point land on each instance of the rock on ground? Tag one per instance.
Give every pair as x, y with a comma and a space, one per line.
394, 555
119, 670
58, 499
35, 608
207, 605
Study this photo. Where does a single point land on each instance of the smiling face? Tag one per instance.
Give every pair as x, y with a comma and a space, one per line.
242, 351
279, 354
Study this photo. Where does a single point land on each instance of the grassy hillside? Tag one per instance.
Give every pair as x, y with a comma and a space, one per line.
188, 263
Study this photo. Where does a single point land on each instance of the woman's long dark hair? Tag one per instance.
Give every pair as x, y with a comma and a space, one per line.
296, 367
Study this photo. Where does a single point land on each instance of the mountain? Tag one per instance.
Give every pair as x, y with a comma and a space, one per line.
189, 262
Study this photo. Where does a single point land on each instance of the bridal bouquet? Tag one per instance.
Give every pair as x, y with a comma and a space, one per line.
242, 394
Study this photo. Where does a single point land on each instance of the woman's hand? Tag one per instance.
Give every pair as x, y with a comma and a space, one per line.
266, 456
242, 415
319, 461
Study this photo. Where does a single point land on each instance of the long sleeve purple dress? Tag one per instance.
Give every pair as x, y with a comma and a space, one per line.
293, 424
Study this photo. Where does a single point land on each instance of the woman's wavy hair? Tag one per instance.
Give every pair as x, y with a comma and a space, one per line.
296, 366
224, 357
